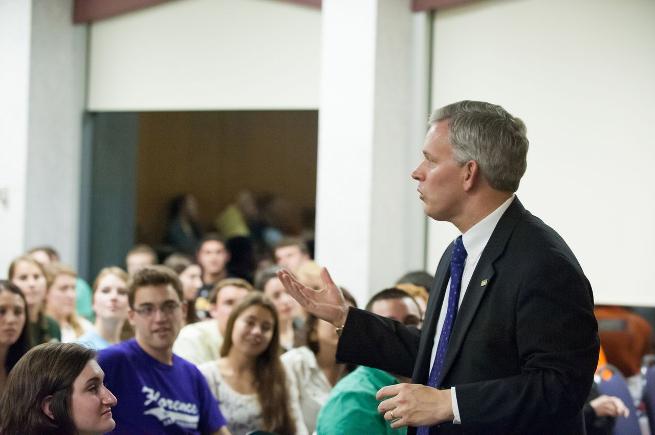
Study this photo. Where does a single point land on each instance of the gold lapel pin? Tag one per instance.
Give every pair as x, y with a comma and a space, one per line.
483, 282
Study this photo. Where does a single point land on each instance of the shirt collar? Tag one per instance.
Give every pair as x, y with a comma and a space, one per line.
476, 238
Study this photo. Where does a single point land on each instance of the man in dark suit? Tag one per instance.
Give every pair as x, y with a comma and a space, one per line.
509, 343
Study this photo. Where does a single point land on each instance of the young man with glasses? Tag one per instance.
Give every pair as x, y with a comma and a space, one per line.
158, 391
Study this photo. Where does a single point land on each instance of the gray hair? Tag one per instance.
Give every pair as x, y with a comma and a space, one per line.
488, 134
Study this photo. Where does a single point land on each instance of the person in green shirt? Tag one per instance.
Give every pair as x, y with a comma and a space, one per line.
352, 407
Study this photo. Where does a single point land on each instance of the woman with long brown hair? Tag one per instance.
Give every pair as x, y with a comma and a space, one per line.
249, 380
14, 330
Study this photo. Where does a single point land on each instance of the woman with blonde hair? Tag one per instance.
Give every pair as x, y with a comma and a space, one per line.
60, 302
30, 277
249, 380
110, 304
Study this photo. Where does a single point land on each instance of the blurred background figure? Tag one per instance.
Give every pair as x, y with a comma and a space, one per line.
139, 257
190, 275
291, 253
57, 388
183, 231
249, 380
313, 368
237, 218
110, 303
212, 257
60, 302
14, 332
243, 261
29, 276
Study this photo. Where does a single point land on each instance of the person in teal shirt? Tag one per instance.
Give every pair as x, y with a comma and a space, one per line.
352, 407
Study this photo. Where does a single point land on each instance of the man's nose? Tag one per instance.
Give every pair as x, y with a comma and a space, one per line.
416, 173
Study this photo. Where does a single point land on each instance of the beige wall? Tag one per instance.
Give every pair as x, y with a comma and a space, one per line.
216, 154
580, 74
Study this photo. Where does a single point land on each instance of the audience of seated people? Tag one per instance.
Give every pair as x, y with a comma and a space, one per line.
249, 379
110, 303
306, 390
352, 406
313, 369
29, 275
201, 342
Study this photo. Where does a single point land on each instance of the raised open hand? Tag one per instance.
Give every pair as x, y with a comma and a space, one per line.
327, 303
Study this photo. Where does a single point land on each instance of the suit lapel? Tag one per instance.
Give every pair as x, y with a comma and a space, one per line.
481, 282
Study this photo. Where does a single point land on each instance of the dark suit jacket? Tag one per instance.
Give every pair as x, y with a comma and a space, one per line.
524, 346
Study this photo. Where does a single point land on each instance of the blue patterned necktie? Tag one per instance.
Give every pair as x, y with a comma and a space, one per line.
457, 260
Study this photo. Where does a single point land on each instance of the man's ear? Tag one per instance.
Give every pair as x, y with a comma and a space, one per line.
471, 174
45, 407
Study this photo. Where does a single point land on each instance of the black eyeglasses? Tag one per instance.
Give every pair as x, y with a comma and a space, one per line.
149, 310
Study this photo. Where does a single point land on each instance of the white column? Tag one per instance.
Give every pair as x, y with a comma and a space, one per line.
366, 235
42, 84
15, 29
56, 106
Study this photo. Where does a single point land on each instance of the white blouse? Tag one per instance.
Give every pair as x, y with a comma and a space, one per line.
242, 411
308, 384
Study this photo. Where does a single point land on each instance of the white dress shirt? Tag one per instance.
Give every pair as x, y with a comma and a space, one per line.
475, 240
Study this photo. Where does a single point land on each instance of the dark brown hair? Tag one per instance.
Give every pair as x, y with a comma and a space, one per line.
270, 377
153, 275
47, 370
24, 342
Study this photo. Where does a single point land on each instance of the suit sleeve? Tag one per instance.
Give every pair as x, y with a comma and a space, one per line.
557, 342
378, 342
